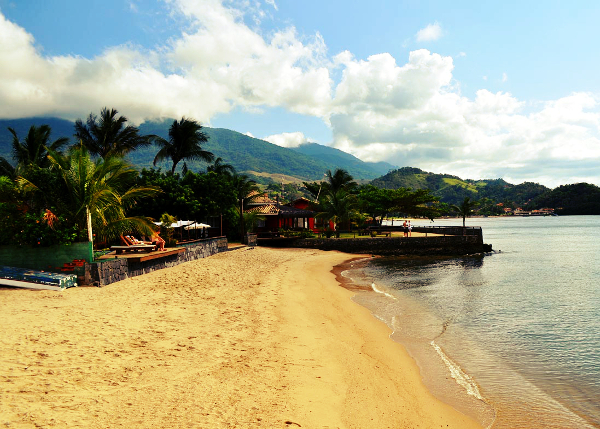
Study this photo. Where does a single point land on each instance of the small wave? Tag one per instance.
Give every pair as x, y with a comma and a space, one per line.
458, 374
375, 289
346, 274
395, 324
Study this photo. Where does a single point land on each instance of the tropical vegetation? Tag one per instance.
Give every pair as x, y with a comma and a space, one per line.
54, 194
465, 209
108, 135
340, 200
185, 139
53, 190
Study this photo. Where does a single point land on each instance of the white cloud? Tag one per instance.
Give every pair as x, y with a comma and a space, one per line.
222, 64
504, 77
430, 33
407, 112
287, 139
272, 3
411, 115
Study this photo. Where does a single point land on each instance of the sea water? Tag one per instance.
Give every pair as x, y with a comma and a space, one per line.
511, 338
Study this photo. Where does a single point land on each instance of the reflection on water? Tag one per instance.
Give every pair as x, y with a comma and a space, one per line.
522, 323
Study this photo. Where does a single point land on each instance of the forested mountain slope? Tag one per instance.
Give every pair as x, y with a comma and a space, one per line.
246, 154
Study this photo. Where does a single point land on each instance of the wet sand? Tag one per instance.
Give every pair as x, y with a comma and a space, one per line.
252, 338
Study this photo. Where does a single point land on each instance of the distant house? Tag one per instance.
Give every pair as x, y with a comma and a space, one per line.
295, 215
540, 212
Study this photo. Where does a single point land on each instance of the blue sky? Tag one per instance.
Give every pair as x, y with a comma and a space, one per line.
469, 88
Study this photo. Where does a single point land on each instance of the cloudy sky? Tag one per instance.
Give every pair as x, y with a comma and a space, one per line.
479, 91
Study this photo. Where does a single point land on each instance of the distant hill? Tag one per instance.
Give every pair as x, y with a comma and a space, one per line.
452, 189
246, 154
576, 199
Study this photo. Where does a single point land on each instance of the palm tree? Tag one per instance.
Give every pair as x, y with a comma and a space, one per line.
185, 137
32, 151
339, 207
6, 168
252, 219
99, 193
245, 190
338, 180
219, 167
109, 135
465, 208
335, 198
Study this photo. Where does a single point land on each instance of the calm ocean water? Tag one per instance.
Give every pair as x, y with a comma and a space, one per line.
512, 338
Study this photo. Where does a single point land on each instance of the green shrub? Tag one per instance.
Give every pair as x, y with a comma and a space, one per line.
34, 229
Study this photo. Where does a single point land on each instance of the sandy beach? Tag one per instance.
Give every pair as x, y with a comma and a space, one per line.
251, 338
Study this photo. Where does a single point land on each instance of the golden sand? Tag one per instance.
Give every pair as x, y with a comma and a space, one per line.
252, 338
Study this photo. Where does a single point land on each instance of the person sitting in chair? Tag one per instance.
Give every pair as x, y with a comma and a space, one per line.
158, 240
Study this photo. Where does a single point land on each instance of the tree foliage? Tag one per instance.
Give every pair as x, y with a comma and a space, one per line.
576, 199
108, 135
185, 139
465, 208
380, 202
100, 192
246, 190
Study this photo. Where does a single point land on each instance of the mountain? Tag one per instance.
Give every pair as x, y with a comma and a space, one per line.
60, 128
246, 154
332, 156
249, 154
452, 189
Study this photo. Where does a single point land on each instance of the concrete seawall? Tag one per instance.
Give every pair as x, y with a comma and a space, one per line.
439, 245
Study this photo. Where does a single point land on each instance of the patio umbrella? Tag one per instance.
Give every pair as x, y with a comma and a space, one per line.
197, 226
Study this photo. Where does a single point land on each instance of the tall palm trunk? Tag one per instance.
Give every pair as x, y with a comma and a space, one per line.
242, 226
88, 215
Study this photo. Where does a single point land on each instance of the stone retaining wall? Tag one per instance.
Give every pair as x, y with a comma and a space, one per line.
448, 245
250, 239
110, 271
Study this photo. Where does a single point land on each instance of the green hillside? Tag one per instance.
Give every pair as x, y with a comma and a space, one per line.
576, 199
452, 189
246, 154
332, 156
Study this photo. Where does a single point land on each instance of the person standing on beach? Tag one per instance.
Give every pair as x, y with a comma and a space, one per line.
409, 229
405, 228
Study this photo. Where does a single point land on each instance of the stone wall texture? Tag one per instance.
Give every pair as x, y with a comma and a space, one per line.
103, 273
448, 245
250, 239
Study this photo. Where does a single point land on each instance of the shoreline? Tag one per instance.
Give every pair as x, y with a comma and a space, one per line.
439, 373
495, 394
249, 338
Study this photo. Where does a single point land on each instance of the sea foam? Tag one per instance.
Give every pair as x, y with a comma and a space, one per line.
458, 374
375, 289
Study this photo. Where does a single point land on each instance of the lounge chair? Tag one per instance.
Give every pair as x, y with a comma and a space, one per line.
132, 245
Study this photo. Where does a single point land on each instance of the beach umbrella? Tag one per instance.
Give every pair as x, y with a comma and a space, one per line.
197, 226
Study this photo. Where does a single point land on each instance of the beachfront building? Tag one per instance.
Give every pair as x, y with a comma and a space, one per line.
293, 216
541, 212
